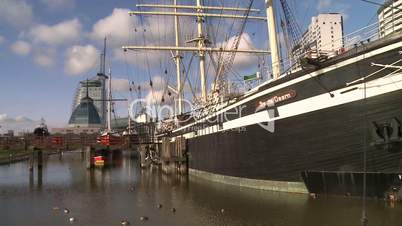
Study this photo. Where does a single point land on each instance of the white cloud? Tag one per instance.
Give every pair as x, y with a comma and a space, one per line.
21, 48
154, 97
323, 4
242, 60
19, 123
45, 57
22, 119
159, 90
121, 28
120, 84
116, 27
64, 32
16, 12
339, 6
80, 59
4, 118
141, 58
59, 4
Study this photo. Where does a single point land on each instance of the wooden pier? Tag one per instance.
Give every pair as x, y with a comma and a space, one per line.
174, 157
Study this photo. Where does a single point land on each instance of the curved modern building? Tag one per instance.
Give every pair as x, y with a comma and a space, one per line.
96, 90
85, 114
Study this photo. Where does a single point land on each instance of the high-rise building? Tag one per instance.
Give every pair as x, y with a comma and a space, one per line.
390, 17
96, 91
324, 34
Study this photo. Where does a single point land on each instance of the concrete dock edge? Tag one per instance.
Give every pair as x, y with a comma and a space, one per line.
280, 186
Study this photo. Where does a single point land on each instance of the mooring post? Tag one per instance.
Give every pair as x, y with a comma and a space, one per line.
31, 179
60, 154
31, 161
88, 157
39, 177
40, 159
143, 155
25, 144
82, 153
110, 156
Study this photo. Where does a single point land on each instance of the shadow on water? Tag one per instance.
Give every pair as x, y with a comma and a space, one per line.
104, 196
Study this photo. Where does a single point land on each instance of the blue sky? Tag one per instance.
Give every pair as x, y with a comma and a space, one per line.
48, 46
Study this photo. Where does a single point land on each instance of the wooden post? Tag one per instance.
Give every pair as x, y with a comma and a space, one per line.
89, 156
25, 144
60, 154
82, 153
31, 161
31, 178
40, 159
39, 176
143, 155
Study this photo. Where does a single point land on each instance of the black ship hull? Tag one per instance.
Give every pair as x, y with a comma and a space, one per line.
308, 148
310, 128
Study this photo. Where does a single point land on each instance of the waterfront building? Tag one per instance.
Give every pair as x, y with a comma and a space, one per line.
390, 17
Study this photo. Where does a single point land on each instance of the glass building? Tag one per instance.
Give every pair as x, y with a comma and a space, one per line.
85, 114
96, 91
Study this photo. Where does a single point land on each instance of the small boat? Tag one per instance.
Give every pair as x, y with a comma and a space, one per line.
109, 139
99, 160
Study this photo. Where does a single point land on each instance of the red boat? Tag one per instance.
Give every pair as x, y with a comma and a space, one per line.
99, 160
109, 139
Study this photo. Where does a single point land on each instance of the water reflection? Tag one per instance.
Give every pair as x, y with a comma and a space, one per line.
105, 196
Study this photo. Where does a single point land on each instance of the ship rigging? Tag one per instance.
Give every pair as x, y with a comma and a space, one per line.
203, 45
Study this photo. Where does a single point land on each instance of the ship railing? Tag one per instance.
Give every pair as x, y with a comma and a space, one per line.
363, 35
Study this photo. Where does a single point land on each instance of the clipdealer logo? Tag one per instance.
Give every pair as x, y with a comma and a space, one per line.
160, 112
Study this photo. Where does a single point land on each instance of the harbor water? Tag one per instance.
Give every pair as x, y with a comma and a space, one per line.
124, 192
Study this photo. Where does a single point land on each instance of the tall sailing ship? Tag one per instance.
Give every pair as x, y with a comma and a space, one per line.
324, 124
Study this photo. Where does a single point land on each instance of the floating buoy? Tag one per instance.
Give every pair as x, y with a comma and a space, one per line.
159, 206
66, 210
143, 218
72, 219
222, 210
173, 210
124, 222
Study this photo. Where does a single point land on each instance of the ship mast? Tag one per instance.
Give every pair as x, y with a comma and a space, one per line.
201, 41
273, 43
109, 103
179, 108
201, 44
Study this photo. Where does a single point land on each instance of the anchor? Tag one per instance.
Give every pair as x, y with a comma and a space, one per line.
387, 135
